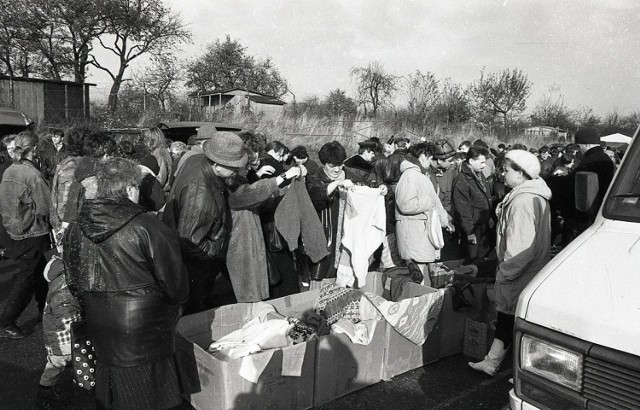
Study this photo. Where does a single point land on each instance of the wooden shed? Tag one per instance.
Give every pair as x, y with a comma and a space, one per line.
46, 101
238, 100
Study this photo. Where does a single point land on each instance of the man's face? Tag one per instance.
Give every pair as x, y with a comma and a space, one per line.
463, 148
300, 161
544, 155
445, 163
368, 155
223, 171
56, 139
477, 164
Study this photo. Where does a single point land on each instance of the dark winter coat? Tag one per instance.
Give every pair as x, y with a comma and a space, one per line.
363, 169
471, 201
327, 207
198, 211
126, 270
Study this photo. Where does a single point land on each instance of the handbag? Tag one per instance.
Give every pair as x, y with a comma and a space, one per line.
435, 229
275, 242
83, 356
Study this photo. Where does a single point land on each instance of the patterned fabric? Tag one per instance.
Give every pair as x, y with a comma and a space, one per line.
83, 357
339, 303
413, 318
301, 332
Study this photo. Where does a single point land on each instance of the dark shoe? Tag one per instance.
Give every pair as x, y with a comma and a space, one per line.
12, 332
52, 395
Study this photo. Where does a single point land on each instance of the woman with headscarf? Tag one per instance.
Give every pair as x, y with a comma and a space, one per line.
523, 246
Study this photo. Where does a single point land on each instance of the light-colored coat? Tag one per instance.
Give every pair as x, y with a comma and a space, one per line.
523, 240
415, 196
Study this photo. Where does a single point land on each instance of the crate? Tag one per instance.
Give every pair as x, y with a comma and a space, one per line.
478, 335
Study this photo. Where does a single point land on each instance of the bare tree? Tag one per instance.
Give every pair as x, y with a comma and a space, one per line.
422, 92
138, 27
502, 93
552, 111
374, 87
160, 79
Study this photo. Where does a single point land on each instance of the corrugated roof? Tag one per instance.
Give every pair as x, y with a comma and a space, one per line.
265, 100
42, 80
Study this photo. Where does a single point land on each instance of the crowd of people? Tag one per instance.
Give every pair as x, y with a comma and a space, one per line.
128, 235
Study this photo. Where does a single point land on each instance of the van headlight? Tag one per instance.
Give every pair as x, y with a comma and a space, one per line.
551, 362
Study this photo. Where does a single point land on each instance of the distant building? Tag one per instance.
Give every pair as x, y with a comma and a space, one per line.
46, 101
238, 101
544, 131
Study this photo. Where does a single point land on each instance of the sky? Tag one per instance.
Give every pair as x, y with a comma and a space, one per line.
584, 50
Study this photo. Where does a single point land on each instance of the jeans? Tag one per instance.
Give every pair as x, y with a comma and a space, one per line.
53, 369
26, 278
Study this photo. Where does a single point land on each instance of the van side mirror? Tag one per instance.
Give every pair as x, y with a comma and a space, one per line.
586, 186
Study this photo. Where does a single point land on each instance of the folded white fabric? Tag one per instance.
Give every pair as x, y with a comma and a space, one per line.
254, 337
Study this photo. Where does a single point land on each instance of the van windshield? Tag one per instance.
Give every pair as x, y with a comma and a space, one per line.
623, 202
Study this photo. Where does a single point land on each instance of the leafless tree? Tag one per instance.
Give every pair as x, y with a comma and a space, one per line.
374, 86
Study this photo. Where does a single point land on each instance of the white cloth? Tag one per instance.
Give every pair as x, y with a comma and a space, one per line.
364, 228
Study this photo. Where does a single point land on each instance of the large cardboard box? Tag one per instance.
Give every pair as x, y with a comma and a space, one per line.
213, 383
444, 340
343, 367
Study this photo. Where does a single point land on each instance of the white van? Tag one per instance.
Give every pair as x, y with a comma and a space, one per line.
577, 330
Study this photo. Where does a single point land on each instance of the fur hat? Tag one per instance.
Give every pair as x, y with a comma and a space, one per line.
529, 163
587, 136
223, 147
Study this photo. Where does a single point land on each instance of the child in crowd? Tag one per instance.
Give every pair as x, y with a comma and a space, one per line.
60, 311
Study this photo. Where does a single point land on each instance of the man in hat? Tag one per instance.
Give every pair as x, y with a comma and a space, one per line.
442, 172
197, 209
563, 188
361, 164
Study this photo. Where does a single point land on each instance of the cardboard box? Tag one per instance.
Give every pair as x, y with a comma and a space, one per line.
213, 383
444, 340
478, 335
343, 367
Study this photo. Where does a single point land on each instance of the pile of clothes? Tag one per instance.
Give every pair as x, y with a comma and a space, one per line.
269, 330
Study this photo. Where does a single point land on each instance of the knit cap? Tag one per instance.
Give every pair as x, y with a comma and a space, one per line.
529, 163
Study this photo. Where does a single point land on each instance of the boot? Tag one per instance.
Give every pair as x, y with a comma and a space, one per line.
492, 360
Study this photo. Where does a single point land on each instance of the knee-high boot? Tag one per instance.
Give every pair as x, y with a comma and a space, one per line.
492, 360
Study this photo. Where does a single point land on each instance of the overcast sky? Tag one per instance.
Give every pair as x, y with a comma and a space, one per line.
587, 49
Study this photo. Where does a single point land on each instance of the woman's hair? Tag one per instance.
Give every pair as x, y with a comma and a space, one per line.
98, 144
26, 142
276, 146
515, 167
125, 149
152, 138
114, 176
179, 146
253, 144
475, 152
332, 153
419, 149
74, 138
388, 168
300, 152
